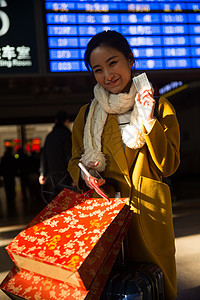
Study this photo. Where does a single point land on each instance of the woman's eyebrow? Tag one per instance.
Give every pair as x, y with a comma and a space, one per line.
110, 58
96, 66
114, 56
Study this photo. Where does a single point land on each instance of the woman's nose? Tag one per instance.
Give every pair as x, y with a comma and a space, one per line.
108, 75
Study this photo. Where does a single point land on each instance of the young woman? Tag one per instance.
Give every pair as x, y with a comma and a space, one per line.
132, 149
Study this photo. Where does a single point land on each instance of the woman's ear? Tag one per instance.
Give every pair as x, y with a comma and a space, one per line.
131, 59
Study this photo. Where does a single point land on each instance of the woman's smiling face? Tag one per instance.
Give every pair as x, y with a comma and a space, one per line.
112, 70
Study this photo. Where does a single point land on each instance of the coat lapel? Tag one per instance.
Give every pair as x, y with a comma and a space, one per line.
131, 155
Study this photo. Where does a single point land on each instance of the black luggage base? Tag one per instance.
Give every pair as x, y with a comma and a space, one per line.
141, 281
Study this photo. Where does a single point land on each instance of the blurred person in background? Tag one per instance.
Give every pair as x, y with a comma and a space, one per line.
55, 156
33, 184
8, 170
23, 168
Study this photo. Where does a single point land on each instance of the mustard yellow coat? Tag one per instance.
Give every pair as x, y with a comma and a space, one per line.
139, 174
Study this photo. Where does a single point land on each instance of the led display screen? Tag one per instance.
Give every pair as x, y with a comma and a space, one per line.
162, 34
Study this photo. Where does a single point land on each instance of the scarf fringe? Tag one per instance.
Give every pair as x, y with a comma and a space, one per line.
132, 137
94, 155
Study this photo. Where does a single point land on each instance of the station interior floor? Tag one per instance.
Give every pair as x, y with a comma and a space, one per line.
186, 218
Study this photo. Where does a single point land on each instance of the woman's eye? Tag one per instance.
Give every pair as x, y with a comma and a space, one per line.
97, 70
112, 63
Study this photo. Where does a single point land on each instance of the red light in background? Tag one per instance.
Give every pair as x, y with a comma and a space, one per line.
31, 144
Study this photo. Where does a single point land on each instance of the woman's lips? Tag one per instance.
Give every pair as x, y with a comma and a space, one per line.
113, 82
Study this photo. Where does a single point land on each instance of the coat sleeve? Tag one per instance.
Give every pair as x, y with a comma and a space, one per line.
43, 170
77, 145
68, 145
163, 140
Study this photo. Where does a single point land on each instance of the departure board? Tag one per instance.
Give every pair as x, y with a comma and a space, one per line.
163, 35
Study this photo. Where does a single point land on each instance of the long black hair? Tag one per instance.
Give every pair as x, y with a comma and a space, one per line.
111, 39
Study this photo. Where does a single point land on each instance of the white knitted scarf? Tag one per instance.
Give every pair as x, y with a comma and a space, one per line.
105, 103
